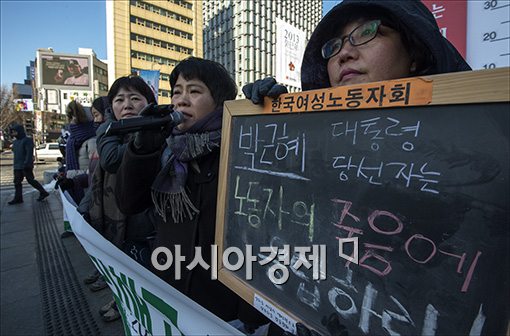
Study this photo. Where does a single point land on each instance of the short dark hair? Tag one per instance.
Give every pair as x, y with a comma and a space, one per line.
131, 82
213, 74
416, 49
73, 62
100, 104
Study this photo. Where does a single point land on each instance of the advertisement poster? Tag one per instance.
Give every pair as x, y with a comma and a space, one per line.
151, 77
479, 30
65, 70
290, 47
488, 34
23, 105
451, 18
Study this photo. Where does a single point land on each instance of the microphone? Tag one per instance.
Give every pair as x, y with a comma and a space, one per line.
160, 116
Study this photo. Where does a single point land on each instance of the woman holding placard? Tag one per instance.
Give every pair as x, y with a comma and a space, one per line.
368, 41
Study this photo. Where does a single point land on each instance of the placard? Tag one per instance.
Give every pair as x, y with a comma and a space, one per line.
421, 193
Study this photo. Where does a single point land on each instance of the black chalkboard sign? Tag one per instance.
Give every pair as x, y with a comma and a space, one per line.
426, 192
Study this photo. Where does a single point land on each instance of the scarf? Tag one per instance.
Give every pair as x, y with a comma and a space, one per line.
169, 188
79, 134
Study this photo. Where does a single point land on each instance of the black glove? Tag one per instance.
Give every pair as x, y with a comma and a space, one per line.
64, 183
261, 88
150, 141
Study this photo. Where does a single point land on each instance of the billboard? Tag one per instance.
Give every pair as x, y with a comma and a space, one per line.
23, 105
290, 47
68, 70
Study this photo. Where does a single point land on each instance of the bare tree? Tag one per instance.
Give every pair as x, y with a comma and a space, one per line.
8, 113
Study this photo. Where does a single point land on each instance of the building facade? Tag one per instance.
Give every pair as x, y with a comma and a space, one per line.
242, 34
152, 35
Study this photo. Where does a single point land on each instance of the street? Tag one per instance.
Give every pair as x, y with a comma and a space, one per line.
6, 177
42, 289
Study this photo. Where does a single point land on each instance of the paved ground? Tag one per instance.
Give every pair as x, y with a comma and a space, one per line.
42, 291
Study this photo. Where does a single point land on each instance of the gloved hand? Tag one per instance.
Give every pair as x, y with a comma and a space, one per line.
263, 87
64, 183
150, 141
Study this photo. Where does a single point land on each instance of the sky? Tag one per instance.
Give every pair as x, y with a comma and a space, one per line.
65, 26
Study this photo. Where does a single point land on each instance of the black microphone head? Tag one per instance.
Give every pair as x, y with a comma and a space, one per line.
178, 117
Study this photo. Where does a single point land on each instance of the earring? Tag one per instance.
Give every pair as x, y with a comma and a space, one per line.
413, 67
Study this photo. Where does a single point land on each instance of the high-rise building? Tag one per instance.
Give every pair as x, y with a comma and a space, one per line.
152, 35
244, 35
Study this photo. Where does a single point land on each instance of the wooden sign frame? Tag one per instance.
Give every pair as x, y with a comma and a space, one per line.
484, 86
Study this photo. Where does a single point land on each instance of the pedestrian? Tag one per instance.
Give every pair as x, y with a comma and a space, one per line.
23, 165
362, 41
172, 182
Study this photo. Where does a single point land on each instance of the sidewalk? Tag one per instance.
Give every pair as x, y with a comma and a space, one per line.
42, 290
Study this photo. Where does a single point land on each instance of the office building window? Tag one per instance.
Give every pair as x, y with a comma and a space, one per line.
160, 27
153, 58
161, 44
161, 11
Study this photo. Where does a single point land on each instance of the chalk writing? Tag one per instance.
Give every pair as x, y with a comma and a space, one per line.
376, 129
266, 205
425, 194
410, 174
376, 258
268, 144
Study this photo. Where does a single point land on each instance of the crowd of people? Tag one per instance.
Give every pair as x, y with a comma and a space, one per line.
158, 187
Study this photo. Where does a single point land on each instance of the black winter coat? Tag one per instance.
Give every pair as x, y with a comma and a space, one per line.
134, 179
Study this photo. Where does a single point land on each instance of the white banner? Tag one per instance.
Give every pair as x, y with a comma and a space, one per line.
148, 305
290, 47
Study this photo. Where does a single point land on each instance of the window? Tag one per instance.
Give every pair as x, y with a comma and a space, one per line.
162, 11
162, 28
152, 58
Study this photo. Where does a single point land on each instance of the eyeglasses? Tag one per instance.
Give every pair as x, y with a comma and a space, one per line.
358, 36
